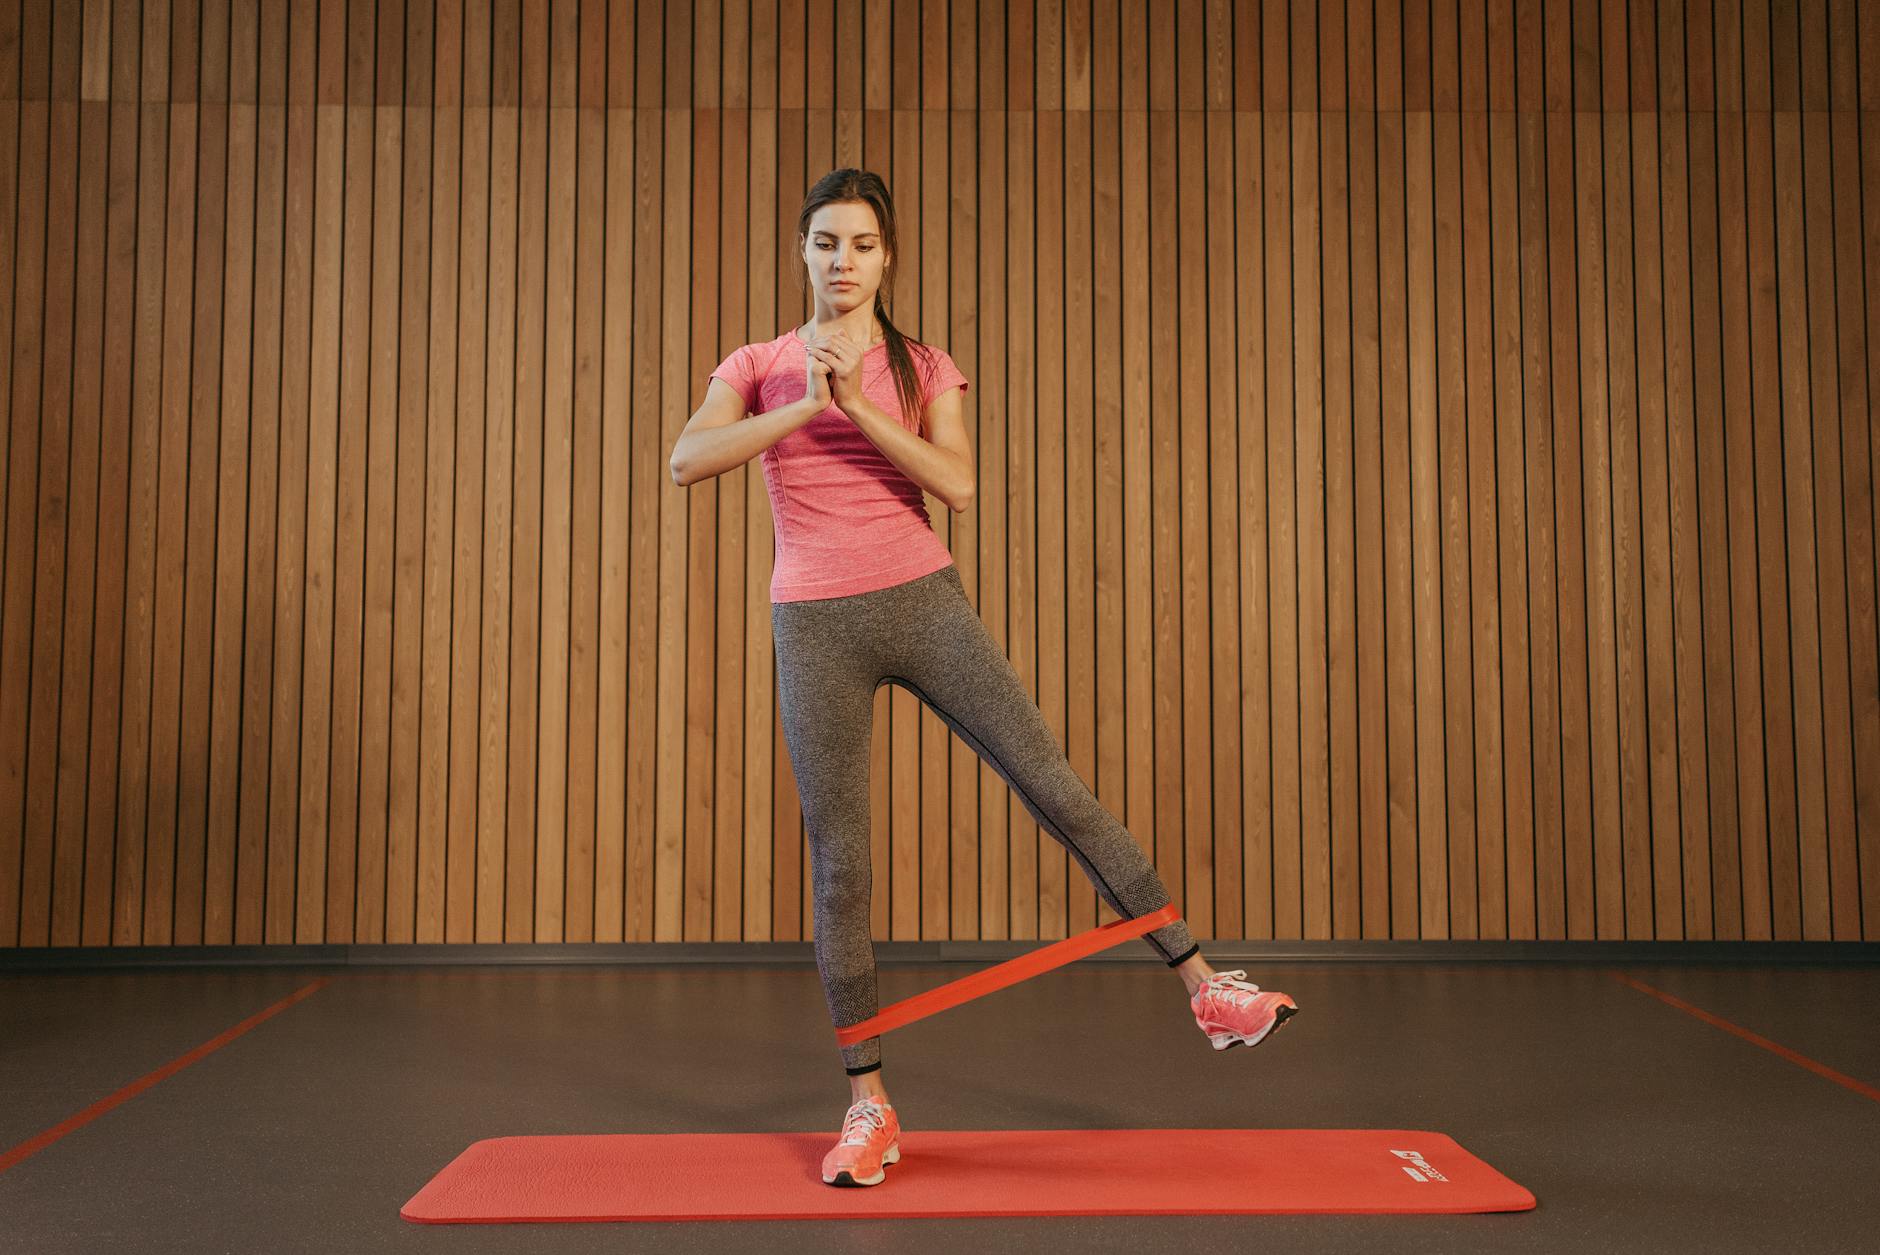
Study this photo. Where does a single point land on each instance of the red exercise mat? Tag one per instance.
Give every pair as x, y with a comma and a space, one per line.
1032, 1172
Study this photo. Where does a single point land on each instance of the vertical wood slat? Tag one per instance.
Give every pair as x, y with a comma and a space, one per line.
613, 467
1606, 871
500, 902
1620, 540
1867, 695
1514, 505
1546, 915
1836, 891
466, 872
1308, 475
1488, 518
1692, 870
381, 624
56, 120
554, 877
1374, 809
636, 74
988, 565
1454, 509
1155, 346
732, 584
1752, 901
1716, 521
71, 404
1256, 909
439, 77
1200, 828
12, 669
161, 836
1079, 511
967, 900
1279, 471
699, 791
1395, 329
101, 805
234, 469
335, 721
1043, 613
1656, 501
367, 670
1228, 213
1431, 842
1804, 863
279, 916
1337, 708
1020, 455
1859, 454
205, 371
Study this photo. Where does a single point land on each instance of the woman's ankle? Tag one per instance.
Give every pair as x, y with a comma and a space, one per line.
867, 1083
1194, 972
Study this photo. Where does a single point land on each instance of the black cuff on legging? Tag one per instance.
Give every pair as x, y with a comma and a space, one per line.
871, 1067
1192, 951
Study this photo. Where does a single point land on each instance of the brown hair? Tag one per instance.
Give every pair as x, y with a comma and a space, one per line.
851, 184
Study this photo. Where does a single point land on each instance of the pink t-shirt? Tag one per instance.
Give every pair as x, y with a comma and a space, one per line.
846, 519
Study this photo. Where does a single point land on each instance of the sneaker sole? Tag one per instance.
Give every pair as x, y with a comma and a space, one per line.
1223, 1040
891, 1155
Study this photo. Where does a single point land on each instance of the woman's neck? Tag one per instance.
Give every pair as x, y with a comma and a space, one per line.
860, 326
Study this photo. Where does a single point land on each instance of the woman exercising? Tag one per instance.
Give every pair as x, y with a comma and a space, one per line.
854, 420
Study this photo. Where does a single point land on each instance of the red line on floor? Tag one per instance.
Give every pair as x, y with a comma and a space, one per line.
39, 1141
1796, 1057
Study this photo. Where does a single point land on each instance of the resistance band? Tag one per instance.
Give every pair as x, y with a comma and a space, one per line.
1010, 972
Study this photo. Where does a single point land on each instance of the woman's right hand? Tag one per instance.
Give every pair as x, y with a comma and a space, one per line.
817, 382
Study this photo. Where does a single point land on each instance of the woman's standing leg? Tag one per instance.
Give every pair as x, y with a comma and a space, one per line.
826, 696
954, 666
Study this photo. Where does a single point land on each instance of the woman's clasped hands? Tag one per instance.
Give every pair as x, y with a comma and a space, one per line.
842, 357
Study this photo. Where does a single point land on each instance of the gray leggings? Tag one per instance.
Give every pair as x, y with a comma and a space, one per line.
924, 635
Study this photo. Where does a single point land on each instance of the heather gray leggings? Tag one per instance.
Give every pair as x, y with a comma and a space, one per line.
924, 635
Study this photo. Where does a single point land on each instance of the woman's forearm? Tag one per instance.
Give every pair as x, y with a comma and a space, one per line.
714, 450
935, 469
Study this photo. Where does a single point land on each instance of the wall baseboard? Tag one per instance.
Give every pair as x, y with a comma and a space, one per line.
801, 953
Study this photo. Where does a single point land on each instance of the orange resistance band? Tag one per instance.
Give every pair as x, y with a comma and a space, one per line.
1010, 972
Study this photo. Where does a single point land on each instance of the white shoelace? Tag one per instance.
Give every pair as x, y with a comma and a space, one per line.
1226, 986
864, 1118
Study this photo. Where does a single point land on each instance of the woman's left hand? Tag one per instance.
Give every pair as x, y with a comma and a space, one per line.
845, 366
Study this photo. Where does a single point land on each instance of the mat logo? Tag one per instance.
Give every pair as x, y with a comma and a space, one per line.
1422, 1171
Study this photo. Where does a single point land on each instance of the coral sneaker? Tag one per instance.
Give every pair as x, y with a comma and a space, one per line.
871, 1139
1231, 1011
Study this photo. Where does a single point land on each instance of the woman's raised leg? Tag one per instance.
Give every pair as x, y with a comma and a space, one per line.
955, 667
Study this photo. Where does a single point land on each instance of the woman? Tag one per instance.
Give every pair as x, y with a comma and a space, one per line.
853, 421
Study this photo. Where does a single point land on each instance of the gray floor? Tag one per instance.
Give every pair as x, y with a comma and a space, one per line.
1638, 1126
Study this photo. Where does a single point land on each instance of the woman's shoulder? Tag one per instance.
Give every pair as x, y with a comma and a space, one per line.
765, 352
757, 357
927, 356
938, 369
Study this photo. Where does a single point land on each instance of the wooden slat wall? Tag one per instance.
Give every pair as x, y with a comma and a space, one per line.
1426, 454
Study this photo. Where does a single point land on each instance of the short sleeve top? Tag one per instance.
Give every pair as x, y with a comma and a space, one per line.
846, 519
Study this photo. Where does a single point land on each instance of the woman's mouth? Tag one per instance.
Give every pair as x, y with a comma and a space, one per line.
841, 283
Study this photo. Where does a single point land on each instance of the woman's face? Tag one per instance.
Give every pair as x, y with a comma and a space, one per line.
844, 248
